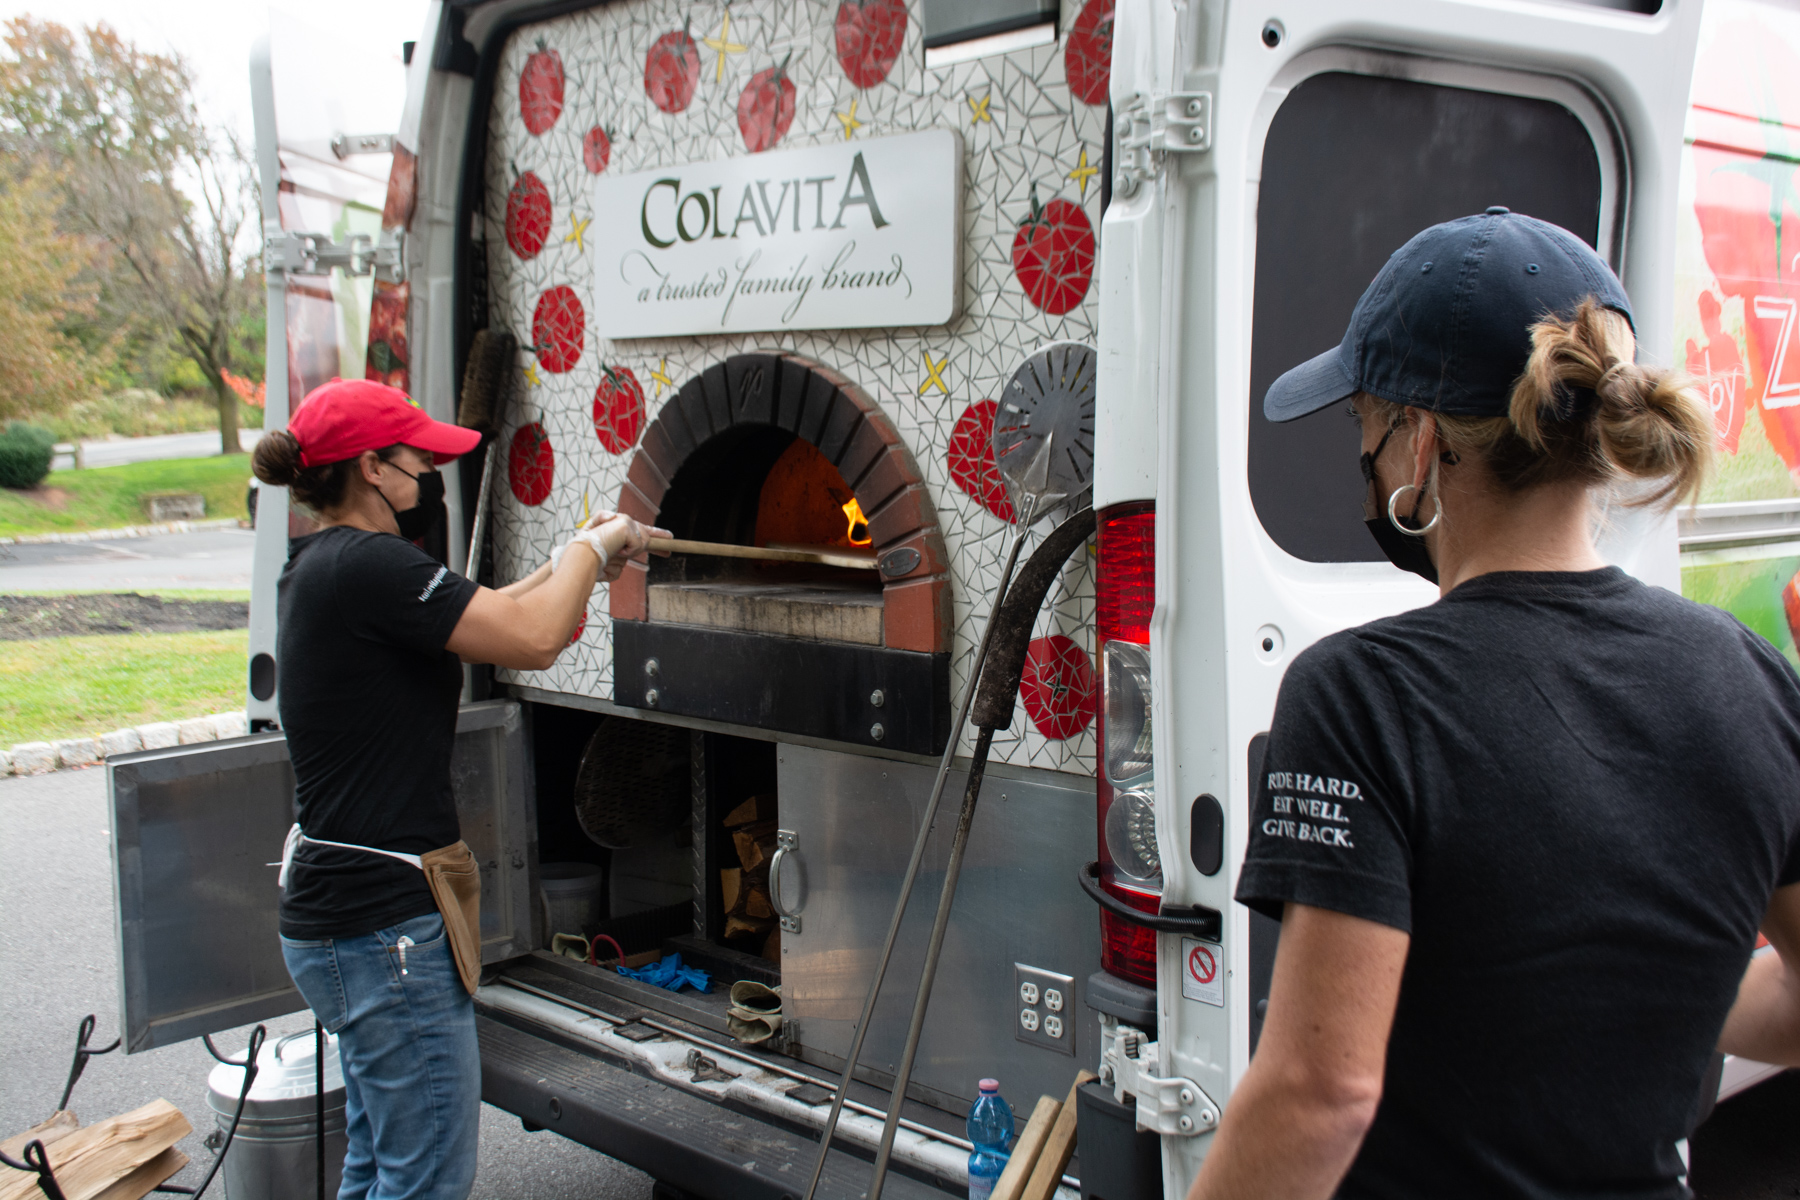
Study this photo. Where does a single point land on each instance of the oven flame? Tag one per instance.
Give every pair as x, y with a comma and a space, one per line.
859, 524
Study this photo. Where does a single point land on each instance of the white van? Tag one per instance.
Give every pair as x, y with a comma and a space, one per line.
770, 267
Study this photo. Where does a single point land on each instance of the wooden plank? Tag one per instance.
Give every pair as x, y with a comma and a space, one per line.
1030, 1145
139, 1183
58, 1125
1058, 1148
821, 555
90, 1160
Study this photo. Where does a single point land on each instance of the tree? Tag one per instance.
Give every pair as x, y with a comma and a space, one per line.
172, 199
41, 366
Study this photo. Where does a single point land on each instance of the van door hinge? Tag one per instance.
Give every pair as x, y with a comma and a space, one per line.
1130, 1063
297, 253
1150, 125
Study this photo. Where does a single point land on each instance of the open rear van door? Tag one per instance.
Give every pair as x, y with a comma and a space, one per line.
197, 830
1266, 162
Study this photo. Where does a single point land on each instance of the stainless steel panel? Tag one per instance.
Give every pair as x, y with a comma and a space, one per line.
1018, 901
194, 829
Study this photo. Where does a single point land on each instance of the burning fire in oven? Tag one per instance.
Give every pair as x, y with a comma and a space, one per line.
859, 524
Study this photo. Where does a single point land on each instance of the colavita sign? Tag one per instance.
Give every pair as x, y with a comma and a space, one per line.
845, 236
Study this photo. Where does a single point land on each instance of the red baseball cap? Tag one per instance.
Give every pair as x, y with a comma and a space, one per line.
341, 419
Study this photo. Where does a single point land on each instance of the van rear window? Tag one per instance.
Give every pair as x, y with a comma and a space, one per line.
1354, 165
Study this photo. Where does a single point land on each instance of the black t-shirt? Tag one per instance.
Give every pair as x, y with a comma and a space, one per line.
1576, 793
368, 701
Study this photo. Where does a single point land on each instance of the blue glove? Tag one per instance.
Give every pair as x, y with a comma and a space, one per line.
668, 972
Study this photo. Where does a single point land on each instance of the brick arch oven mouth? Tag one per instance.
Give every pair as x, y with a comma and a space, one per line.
775, 450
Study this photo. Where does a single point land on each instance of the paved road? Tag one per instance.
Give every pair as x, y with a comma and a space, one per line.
207, 558
117, 452
57, 963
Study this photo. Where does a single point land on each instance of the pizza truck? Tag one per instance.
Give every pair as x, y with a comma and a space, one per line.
767, 274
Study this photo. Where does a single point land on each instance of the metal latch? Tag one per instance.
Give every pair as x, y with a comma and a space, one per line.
1130, 1063
299, 253
345, 144
1150, 125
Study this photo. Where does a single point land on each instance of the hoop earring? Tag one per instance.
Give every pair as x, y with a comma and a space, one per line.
1395, 521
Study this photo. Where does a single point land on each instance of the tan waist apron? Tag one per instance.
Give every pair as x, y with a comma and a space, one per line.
455, 882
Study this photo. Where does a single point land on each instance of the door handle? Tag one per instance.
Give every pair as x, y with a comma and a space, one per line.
786, 840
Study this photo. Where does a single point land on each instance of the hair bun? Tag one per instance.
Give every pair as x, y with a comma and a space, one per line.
276, 459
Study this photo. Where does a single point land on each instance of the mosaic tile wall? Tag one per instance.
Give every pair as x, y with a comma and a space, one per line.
588, 93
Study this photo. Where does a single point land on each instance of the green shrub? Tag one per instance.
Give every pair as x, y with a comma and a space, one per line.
25, 452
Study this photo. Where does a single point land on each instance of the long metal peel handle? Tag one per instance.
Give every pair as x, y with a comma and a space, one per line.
918, 857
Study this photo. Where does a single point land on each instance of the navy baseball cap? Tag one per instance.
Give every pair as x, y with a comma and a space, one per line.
1447, 323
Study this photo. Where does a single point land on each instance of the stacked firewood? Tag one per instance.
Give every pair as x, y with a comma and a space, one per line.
118, 1159
745, 888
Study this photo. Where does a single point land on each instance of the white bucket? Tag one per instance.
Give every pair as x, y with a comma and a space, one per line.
571, 893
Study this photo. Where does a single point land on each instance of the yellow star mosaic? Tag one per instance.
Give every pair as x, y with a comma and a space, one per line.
1083, 173
578, 228
660, 375
724, 45
848, 120
934, 375
978, 109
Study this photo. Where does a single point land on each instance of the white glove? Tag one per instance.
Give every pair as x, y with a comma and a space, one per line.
589, 536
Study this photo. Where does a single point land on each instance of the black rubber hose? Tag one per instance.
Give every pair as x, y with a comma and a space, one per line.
1005, 663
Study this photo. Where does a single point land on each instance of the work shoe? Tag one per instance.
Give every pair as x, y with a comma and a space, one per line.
755, 1014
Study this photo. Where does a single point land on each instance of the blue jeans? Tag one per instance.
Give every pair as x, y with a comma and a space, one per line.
412, 1069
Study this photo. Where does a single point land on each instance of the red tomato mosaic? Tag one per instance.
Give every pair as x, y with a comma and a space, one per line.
531, 464
672, 70
766, 109
558, 329
541, 90
1053, 255
1058, 687
869, 36
596, 149
527, 215
618, 409
971, 455
1087, 57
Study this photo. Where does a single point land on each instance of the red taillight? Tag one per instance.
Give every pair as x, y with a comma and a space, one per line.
1126, 597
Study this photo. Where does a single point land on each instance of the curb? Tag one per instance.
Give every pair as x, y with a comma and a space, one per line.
127, 531
40, 758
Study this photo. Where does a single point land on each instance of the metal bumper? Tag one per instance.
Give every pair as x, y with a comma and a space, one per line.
690, 1143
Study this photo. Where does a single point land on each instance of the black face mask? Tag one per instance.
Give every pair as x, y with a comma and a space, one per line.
424, 516
1403, 550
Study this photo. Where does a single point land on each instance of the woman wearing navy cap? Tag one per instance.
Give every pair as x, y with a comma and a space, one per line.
377, 913
1521, 840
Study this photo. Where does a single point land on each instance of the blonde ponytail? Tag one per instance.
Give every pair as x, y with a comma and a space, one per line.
1583, 409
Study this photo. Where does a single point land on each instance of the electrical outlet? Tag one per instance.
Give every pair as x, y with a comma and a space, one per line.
1042, 997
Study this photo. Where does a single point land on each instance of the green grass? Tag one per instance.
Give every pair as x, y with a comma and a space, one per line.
74, 686
109, 497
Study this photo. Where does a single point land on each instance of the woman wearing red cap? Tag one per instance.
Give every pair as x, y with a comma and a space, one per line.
375, 911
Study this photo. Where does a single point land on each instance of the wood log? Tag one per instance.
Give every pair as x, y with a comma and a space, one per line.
731, 887
91, 1160
756, 900
1058, 1148
755, 844
58, 1125
1025, 1154
772, 945
140, 1182
756, 808
735, 925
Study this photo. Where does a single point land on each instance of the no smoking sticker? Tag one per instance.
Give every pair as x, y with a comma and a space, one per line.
1203, 972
